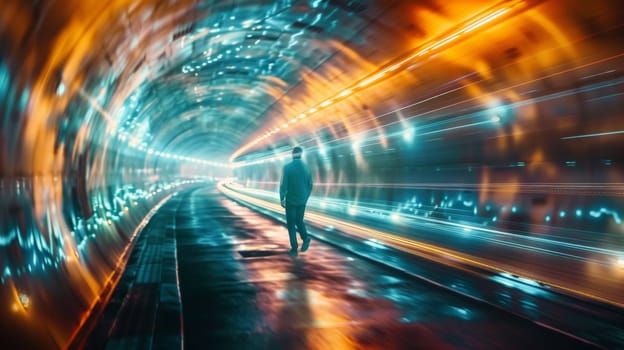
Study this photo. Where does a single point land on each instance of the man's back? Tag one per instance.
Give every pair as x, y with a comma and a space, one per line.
296, 184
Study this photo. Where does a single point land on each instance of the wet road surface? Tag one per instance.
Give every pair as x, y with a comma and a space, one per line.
239, 289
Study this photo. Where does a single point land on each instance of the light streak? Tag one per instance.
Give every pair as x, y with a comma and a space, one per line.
606, 133
598, 189
398, 63
370, 208
112, 123
430, 251
485, 20
475, 115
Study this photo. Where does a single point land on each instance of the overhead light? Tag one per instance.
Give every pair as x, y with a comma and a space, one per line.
346, 92
326, 103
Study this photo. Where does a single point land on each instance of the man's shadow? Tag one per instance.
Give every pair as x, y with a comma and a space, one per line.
260, 253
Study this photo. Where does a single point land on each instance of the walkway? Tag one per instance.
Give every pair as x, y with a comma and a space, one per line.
238, 289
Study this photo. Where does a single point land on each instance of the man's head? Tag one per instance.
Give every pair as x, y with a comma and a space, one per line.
296, 152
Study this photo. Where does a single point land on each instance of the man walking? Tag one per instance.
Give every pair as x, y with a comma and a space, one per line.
295, 189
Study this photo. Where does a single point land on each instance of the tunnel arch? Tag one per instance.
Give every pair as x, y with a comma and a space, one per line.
108, 108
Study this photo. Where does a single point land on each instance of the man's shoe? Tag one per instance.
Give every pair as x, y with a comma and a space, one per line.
306, 244
292, 252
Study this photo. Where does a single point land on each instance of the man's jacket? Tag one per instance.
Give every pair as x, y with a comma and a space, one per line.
296, 184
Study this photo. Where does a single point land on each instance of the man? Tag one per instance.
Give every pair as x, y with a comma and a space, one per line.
295, 189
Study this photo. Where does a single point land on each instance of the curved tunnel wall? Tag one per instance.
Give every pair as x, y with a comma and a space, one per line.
515, 129
108, 108
75, 184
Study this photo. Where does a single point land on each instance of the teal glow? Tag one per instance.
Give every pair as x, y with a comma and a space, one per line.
526, 285
605, 211
408, 134
61, 89
353, 211
5, 80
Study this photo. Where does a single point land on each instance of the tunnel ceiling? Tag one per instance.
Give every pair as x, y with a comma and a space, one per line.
222, 74
217, 80
240, 60
203, 78
480, 117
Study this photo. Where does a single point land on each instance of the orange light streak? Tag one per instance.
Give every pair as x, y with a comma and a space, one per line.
400, 64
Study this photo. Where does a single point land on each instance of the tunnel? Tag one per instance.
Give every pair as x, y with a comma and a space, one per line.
467, 161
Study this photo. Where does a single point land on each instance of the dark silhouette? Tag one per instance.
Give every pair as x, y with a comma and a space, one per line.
295, 189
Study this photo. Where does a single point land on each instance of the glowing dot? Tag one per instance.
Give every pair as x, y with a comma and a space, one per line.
352, 210
562, 214
495, 119
395, 217
621, 262
579, 212
408, 134
547, 218
61, 89
24, 300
